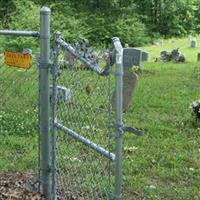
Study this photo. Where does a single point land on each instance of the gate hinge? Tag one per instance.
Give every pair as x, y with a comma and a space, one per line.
133, 130
121, 129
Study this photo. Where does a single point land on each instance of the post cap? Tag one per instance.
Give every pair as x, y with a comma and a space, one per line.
115, 39
45, 10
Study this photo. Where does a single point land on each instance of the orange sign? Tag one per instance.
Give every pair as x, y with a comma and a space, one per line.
19, 60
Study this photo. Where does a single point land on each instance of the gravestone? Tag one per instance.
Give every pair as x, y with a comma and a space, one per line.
129, 84
198, 57
131, 56
63, 94
69, 60
175, 55
145, 56
193, 44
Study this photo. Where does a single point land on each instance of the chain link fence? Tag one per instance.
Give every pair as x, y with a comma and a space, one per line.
18, 120
80, 118
84, 108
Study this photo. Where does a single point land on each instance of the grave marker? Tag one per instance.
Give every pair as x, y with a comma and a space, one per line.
129, 84
132, 56
145, 56
193, 43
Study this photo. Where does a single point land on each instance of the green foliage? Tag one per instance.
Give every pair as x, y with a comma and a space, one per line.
99, 28
23, 20
132, 20
169, 18
132, 31
64, 19
7, 8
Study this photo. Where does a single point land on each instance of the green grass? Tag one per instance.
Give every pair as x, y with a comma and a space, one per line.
163, 164
183, 44
169, 151
18, 119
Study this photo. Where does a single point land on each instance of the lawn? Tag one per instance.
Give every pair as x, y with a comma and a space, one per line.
163, 164
182, 43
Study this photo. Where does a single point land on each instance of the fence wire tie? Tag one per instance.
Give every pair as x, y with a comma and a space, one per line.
43, 65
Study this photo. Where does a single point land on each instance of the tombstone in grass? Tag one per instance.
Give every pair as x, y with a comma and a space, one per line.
145, 56
193, 43
175, 55
68, 61
198, 57
131, 56
63, 94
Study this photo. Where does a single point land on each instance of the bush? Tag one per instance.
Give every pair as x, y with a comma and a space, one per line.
196, 108
131, 31
23, 20
75, 25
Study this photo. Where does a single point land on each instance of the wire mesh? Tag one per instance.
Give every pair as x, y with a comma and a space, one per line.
82, 172
18, 119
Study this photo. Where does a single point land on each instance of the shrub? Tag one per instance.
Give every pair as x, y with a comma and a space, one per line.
23, 20
196, 108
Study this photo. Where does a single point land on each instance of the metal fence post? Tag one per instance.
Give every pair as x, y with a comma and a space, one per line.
119, 117
44, 101
54, 119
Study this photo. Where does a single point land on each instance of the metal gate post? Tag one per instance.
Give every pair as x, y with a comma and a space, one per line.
119, 117
44, 101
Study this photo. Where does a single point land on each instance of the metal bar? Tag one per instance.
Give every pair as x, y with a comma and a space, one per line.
72, 51
20, 33
87, 142
119, 117
45, 101
53, 121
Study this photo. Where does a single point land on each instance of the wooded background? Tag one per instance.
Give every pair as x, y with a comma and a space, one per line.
136, 22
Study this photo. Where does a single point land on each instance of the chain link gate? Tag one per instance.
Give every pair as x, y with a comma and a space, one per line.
87, 127
82, 124
80, 117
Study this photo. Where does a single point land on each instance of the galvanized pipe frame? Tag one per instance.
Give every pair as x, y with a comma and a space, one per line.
47, 165
119, 118
20, 33
117, 157
53, 104
87, 142
44, 100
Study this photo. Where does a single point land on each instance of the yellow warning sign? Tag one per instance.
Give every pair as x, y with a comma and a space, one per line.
19, 60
